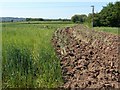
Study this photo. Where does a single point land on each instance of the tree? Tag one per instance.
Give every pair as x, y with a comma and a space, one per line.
11, 20
96, 20
74, 18
108, 16
34, 19
79, 18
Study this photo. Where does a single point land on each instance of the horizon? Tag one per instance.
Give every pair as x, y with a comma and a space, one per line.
50, 10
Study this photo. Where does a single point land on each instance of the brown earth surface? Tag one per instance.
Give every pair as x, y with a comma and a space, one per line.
89, 59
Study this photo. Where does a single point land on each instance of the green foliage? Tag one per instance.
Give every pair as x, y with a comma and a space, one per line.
108, 16
29, 60
97, 19
34, 19
79, 18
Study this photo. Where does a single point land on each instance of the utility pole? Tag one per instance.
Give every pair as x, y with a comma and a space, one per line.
92, 16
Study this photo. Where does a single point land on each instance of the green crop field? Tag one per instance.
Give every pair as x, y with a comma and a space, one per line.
28, 57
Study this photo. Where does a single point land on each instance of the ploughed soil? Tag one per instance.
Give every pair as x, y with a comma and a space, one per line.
89, 59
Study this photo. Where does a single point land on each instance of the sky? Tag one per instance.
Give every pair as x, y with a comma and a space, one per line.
49, 8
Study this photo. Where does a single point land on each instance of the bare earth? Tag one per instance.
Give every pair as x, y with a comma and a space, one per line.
89, 59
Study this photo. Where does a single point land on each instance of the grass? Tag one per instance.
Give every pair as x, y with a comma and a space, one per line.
42, 22
113, 30
29, 59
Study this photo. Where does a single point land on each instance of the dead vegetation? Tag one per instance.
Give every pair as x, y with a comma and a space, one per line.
89, 59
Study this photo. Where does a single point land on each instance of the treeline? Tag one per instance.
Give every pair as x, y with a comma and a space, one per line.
41, 19
34, 19
11, 19
108, 16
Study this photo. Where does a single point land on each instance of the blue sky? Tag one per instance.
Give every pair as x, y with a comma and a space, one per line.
49, 8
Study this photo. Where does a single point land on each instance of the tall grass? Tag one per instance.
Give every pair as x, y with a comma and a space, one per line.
29, 59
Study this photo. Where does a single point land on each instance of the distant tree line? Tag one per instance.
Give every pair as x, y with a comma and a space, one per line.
11, 19
108, 16
34, 19
41, 19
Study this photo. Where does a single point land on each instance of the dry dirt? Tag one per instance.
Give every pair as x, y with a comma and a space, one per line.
89, 59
